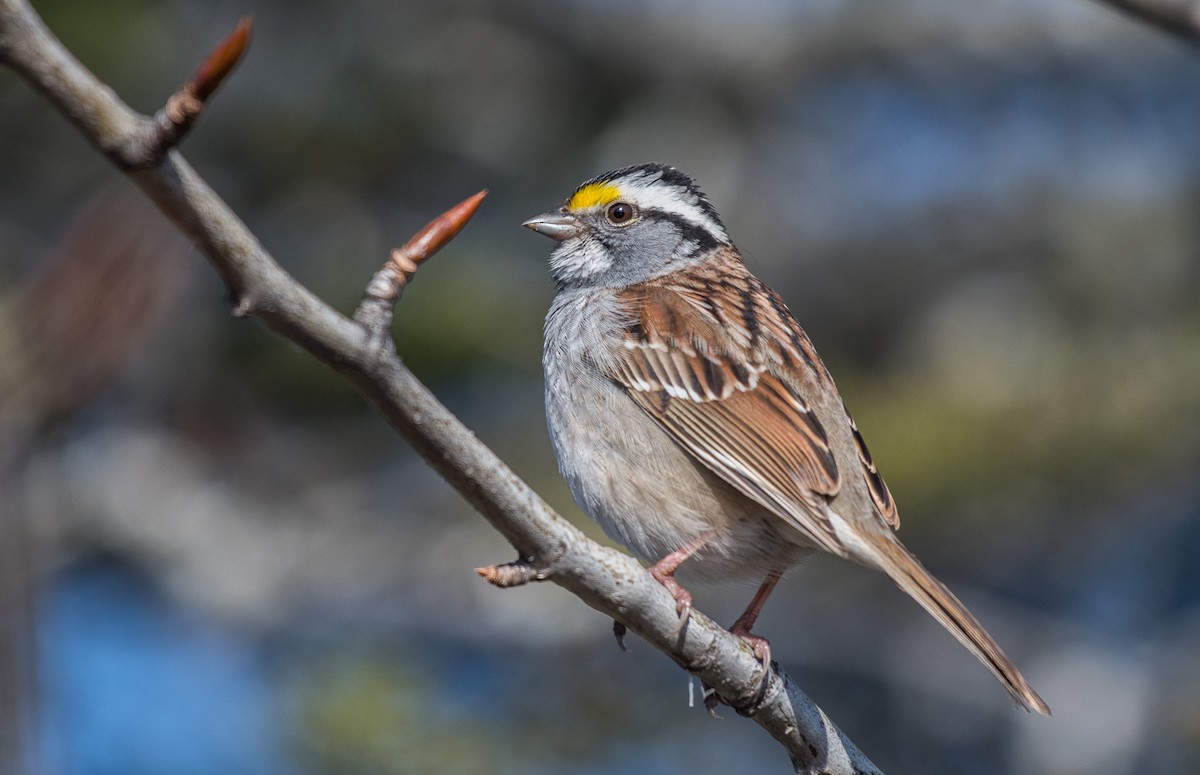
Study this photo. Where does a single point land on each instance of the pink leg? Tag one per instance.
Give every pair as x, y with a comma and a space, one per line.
745, 622
664, 572
742, 627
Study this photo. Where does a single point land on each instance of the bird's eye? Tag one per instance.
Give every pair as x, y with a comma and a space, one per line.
620, 213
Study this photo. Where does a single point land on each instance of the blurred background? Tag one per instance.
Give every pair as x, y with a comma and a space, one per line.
983, 213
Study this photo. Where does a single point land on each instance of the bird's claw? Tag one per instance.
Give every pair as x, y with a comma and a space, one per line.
619, 631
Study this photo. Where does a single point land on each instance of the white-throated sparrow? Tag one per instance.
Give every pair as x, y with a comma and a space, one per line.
691, 416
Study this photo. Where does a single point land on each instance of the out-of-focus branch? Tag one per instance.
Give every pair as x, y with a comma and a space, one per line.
66, 331
607, 580
1179, 17
63, 334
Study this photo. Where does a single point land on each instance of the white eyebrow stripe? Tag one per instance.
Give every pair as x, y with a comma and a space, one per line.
655, 195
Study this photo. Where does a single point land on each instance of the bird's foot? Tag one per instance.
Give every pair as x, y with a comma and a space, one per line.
760, 645
664, 572
762, 652
619, 631
711, 700
666, 577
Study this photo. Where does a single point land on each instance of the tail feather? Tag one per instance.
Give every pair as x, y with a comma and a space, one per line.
908, 573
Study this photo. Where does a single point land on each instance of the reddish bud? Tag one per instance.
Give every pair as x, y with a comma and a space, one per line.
221, 60
441, 229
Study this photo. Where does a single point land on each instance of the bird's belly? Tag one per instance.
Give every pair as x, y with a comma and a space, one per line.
651, 496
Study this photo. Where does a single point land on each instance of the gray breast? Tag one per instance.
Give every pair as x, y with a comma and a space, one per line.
625, 472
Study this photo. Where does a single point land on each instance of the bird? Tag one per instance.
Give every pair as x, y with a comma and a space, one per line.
692, 418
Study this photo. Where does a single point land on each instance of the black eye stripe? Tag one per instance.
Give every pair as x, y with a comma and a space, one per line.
690, 232
670, 177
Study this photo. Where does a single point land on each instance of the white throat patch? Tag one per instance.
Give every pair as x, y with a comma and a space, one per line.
577, 260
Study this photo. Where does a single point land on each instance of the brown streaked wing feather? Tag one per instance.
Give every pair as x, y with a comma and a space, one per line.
880, 493
719, 403
727, 292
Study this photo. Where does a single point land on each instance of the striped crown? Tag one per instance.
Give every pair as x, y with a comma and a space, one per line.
658, 190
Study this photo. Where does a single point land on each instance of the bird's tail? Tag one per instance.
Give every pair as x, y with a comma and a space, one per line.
904, 569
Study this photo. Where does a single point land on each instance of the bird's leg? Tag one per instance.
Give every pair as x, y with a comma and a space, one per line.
664, 572
745, 622
741, 628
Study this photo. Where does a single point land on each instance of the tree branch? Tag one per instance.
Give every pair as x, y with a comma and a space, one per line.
549, 546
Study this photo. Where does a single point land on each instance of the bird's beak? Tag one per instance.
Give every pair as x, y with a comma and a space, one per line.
557, 225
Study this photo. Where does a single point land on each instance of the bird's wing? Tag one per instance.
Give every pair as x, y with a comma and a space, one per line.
723, 402
726, 377
880, 494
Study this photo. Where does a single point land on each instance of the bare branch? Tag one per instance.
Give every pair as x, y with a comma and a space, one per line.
1178, 17
607, 580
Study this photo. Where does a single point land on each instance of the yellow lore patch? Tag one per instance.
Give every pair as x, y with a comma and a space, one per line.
592, 195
